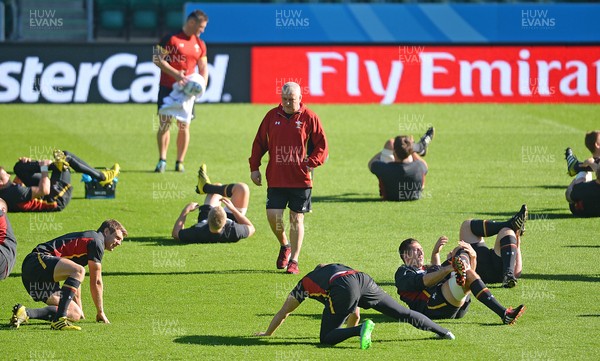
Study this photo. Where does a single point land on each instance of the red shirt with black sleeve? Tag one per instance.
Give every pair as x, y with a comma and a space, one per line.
293, 144
182, 52
79, 247
19, 198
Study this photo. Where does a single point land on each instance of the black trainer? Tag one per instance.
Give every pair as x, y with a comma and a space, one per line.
426, 139
509, 281
517, 222
571, 162
511, 315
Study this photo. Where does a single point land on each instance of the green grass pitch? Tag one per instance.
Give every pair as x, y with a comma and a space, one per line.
203, 302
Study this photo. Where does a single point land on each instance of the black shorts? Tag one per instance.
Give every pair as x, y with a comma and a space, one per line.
489, 264
439, 308
296, 199
163, 92
205, 209
358, 289
37, 274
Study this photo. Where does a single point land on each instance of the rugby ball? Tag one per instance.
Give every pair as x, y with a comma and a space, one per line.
195, 86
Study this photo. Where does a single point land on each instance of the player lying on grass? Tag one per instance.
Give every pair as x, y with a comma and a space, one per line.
342, 290
442, 290
502, 263
215, 223
64, 259
33, 191
583, 194
400, 169
8, 243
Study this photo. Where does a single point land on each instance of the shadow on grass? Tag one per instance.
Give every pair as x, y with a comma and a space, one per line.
561, 277
167, 241
141, 171
224, 272
316, 316
542, 186
535, 214
591, 315
216, 340
347, 197
221, 272
156, 241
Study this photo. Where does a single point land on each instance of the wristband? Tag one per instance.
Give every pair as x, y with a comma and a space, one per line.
44, 168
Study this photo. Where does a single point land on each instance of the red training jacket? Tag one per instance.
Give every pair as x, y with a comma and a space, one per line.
289, 142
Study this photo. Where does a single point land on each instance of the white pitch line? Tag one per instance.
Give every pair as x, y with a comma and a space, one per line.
560, 125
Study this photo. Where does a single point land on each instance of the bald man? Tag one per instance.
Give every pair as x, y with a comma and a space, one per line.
294, 138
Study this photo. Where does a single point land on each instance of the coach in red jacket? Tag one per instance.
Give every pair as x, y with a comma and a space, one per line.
296, 142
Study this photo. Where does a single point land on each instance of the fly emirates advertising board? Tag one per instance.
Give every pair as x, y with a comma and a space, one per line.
448, 74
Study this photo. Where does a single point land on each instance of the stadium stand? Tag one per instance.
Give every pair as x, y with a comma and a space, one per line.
144, 17
125, 20
173, 14
111, 18
67, 20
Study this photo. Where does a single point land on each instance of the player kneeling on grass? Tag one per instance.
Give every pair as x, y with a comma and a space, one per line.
400, 169
443, 290
342, 290
215, 223
64, 259
33, 191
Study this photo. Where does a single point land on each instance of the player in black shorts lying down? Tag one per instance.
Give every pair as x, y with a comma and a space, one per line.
502, 263
442, 290
215, 223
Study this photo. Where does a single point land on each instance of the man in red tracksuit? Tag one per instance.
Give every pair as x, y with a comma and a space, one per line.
296, 142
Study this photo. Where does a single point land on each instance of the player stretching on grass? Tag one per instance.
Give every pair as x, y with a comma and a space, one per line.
216, 224
503, 262
64, 259
342, 290
442, 290
584, 196
33, 191
400, 169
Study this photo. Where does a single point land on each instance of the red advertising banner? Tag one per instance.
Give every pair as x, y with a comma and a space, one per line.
451, 74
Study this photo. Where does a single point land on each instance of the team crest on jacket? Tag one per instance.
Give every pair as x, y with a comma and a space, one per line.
298, 124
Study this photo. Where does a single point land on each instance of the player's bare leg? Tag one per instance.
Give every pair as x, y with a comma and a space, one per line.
240, 196
275, 218
213, 199
296, 238
387, 153
163, 138
467, 235
183, 140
